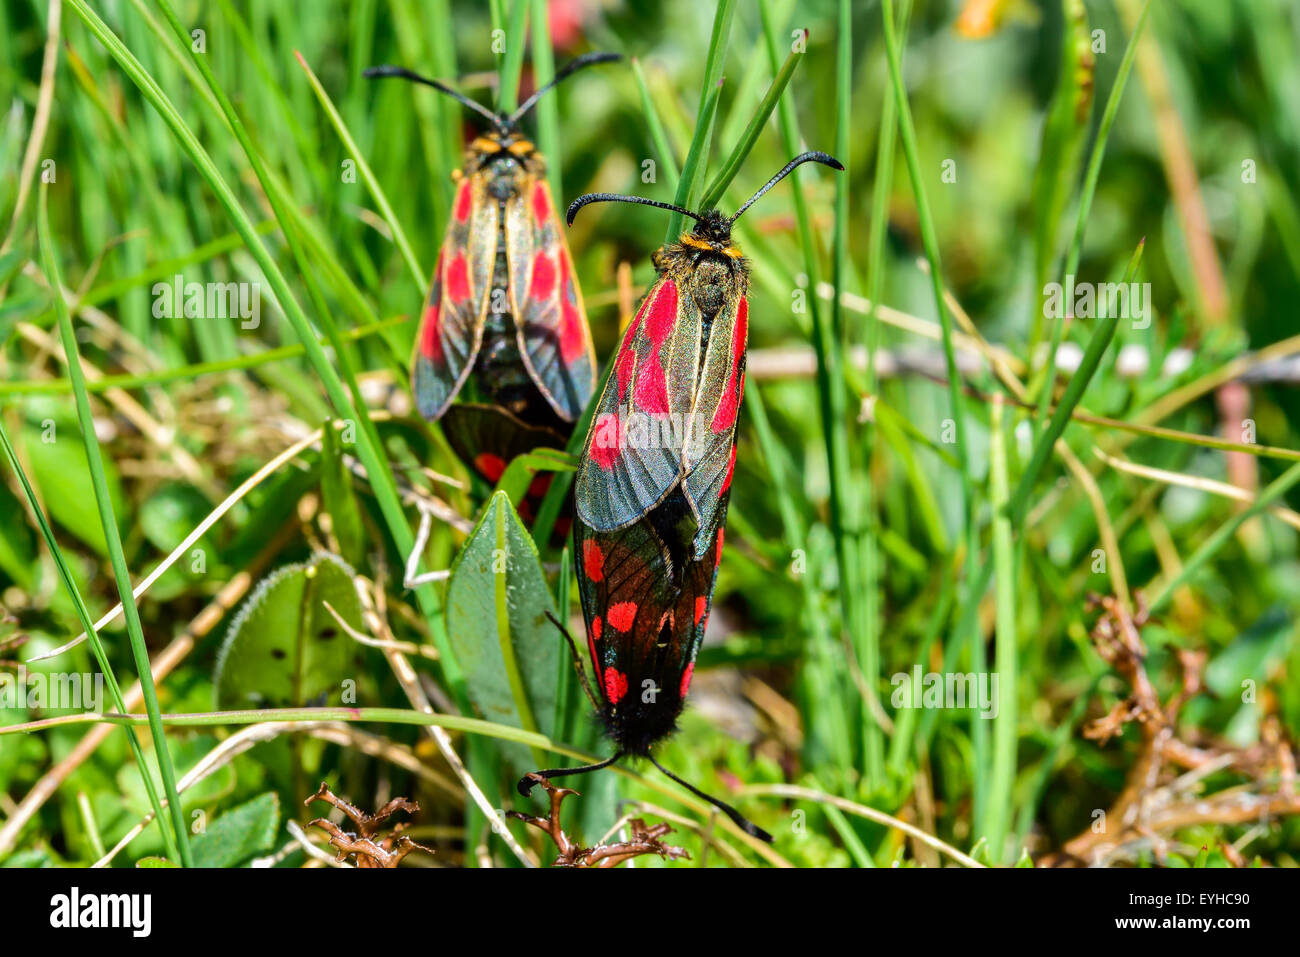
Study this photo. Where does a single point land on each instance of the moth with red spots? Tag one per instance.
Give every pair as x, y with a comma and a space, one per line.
654, 480
503, 328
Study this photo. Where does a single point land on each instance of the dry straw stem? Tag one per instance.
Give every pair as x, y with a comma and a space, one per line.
1197, 482
373, 610
213, 517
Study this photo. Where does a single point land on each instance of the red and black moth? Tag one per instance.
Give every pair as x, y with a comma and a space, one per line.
654, 480
503, 327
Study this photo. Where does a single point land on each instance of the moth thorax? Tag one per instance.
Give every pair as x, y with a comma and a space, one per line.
506, 176
710, 284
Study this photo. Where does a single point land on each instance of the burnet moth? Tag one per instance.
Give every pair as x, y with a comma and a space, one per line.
654, 480
503, 326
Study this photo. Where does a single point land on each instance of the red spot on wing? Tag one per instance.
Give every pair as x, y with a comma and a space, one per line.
651, 389
725, 416
431, 337
593, 562
731, 467
541, 205
615, 685
596, 627
464, 200
663, 314
607, 440
622, 615
686, 679
543, 282
458, 279
489, 466
573, 341
701, 603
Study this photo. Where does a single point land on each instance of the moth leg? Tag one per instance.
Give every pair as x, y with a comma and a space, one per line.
577, 660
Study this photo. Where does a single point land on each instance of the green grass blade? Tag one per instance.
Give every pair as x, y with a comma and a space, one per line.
713, 195
371, 458
280, 204
930, 240
831, 398
194, 371
696, 160
368, 177
697, 155
112, 537
1005, 667
1097, 347
1043, 382
547, 109
828, 724
1064, 133
512, 63
667, 161
96, 646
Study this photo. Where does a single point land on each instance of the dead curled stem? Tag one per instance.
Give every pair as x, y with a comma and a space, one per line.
1152, 802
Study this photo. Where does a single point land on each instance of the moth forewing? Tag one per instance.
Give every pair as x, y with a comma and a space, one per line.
626, 468
550, 320
452, 333
725, 349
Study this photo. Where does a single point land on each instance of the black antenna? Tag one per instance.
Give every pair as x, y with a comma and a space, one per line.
589, 198
461, 98
750, 828
525, 785
813, 156
573, 66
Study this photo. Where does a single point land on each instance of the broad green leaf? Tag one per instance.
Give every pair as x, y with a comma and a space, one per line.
284, 648
497, 602
59, 470
154, 861
240, 833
